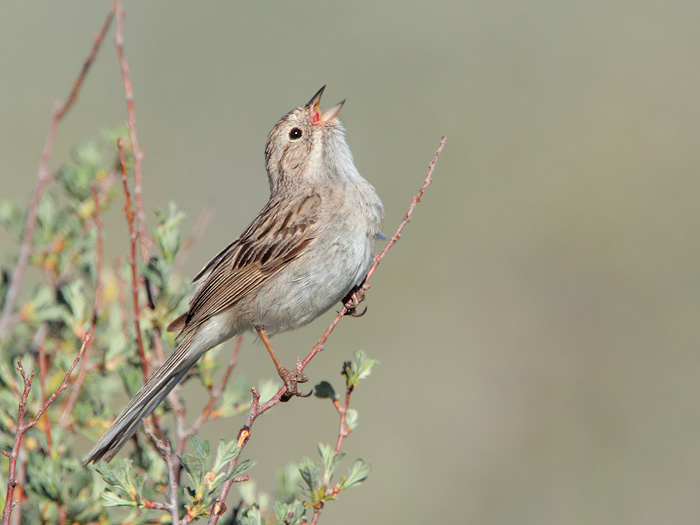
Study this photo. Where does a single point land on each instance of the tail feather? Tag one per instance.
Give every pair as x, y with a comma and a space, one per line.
144, 402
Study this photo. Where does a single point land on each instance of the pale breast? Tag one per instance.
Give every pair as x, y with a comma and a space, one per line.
334, 262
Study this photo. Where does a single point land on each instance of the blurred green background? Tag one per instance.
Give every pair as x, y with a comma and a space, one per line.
537, 325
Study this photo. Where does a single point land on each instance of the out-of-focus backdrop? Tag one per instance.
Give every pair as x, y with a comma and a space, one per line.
537, 324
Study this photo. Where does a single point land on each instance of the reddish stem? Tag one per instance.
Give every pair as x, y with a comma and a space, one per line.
131, 259
256, 409
133, 135
23, 427
343, 431
43, 176
317, 514
96, 305
173, 465
42, 385
214, 395
219, 507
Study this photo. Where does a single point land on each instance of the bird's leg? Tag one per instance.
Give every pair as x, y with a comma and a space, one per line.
290, 377
353, 299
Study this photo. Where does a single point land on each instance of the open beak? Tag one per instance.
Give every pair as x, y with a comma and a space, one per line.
322, 118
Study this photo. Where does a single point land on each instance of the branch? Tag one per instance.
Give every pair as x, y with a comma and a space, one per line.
96, 304
409, 214
133, 135
173, 466
343, 431
43, 176
42, 388
131, 259
135, 279
23, 427
214, 395
178, 410
317, 514
219, 507
120, 295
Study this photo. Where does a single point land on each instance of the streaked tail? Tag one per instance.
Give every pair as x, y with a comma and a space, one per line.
144, 402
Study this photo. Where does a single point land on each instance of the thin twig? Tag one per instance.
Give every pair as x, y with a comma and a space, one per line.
96, 305
42, 389
219, 506
409, 214
135, 279
378, 258
121, 297
16, 518
133, 135
214, 396
165, 451
43, 176
73, 96
173, 397
343, 431
23, 427
256, 409
178, 411
131, 259
317, 514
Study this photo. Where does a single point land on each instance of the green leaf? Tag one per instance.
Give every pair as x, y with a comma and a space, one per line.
110, 499
45, 308
356, 475
46, 215
120, 476
76, 296
268, 388
196, 464
117, 476
330, 460
235, 398
311, 476
202, 449
226, 452
167, 233
241, 467
250, 516
289, 513
359, 368
77, 176
288, 483
12, 218
351, 419
324, 389
363, 365
131, 376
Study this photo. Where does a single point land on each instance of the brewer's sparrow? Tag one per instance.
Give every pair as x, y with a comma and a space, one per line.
311, 244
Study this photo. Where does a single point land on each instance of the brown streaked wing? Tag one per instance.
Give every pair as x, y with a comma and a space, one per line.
278, 235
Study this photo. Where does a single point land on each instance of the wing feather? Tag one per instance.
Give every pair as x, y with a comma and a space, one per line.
278, 235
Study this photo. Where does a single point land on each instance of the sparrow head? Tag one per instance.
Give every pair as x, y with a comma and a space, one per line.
304, 139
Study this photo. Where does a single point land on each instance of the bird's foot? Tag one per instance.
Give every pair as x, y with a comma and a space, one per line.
353, 300
291, 380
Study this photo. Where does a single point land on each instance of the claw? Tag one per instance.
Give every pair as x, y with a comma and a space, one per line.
353, 313
291, 379
353, 300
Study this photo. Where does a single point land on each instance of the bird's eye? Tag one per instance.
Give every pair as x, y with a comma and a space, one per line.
295, 133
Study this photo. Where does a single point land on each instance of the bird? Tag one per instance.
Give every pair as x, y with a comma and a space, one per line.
309, 247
